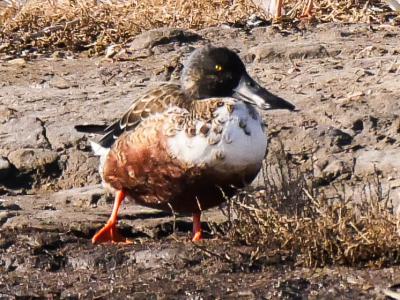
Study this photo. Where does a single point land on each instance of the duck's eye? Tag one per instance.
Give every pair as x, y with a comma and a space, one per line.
218, 68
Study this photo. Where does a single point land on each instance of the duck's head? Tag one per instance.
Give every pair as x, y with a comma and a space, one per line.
219, 72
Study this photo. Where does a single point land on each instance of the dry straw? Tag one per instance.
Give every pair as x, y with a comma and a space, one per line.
78, 25
289, 215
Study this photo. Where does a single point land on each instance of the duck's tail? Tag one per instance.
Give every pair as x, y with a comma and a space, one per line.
110, 133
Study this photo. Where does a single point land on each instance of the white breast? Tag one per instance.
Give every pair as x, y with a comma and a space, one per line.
236, 141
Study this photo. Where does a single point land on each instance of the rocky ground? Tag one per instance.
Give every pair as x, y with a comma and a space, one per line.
344, 79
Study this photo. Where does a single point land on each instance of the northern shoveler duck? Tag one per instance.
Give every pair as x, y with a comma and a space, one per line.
187, 147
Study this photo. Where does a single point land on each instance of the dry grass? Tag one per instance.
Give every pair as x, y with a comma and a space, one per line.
78, 25
82, 25
288, 216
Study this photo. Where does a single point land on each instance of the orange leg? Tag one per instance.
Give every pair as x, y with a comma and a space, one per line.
109, 232
196, 227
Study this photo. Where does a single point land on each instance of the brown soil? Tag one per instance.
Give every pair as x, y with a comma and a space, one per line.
343, 78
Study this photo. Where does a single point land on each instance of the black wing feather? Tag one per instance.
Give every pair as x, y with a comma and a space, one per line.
112, 132
92, 128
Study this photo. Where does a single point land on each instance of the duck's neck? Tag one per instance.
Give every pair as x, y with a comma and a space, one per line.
190, 88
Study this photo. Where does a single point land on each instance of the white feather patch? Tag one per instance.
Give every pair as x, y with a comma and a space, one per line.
102, 152
234, 149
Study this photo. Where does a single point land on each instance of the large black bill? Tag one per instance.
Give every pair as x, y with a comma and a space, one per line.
250, 91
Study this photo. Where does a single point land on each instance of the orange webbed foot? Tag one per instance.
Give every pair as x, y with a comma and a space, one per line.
197, 236
110, 234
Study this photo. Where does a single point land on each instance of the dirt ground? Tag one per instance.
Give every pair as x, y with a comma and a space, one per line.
344, 79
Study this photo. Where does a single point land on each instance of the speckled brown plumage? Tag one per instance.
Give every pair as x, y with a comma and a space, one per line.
140, 164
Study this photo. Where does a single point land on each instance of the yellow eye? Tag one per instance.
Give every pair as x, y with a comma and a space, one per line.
218, 68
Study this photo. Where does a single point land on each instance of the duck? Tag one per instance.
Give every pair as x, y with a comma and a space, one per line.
188, 146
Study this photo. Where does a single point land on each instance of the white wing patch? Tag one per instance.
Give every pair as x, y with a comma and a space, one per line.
235, 142
98, 150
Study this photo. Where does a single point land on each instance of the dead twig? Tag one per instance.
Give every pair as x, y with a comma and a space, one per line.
52, 29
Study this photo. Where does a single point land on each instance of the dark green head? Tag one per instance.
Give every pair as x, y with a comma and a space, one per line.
219, 72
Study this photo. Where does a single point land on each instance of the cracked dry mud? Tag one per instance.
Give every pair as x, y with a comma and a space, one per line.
343, 78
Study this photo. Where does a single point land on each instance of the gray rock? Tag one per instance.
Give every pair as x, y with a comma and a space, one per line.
386, 161
80, 197
333, 170
62, 135
25, 132
6, 114
17, 61
5, 215
161, 36
27, 160
5, 167
60, 83
279, 51
307, 51
330, 136
80, 169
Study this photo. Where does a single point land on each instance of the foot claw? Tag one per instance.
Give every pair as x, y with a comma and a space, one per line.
197, 236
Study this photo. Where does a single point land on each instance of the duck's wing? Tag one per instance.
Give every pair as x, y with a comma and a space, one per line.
156, 100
